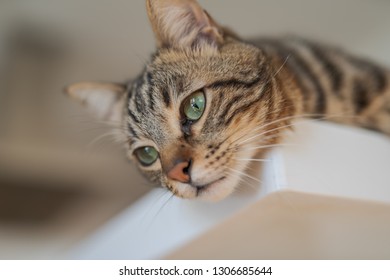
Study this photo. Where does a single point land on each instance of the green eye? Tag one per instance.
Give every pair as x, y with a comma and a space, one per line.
146, 155
194, 106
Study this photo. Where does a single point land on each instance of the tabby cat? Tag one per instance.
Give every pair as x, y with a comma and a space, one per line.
196, 115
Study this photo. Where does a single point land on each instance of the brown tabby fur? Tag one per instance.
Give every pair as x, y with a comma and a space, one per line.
254, 90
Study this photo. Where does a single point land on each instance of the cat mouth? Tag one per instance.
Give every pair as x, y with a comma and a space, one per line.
203, 188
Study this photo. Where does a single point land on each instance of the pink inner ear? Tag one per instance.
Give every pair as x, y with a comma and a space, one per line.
182, 24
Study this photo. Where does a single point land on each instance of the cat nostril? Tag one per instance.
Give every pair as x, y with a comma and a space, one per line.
186, 170
181, 172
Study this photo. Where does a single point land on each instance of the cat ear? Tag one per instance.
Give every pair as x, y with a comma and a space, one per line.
105, 100
182, 24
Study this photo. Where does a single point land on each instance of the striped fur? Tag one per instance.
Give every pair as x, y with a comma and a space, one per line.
334, 84
253, 89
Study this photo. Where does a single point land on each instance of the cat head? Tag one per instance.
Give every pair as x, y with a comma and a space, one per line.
195, 115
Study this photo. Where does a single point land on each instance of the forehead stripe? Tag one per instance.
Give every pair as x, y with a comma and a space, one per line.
236, 82
150, 87
132, 131
166, 97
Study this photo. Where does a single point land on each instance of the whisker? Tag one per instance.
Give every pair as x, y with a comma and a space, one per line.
281, 67
156, 201
233, 133
252, 159
110, 123
228, 173
91, 129
270, 123
267, 146
245, 174
263, 139
159, 210
82, 118
261, 127
244, 180
268, 131
316, 116
288, 125
99, 138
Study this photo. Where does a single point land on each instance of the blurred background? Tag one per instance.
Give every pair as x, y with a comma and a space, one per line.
55, 189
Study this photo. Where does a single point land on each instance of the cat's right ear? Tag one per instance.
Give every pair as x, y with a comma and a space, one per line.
104, 100
183, 24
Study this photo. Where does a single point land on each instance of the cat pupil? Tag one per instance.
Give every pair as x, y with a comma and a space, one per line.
194, 105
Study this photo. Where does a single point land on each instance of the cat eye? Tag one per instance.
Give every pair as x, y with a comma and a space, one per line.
194, 106
146, 155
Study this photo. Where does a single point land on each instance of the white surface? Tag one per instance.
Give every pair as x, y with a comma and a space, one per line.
323, 158
330, 159
158, 224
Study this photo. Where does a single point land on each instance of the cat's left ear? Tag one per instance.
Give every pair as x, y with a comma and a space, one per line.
183, 24
104, 100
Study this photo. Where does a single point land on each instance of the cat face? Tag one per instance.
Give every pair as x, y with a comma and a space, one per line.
189, 112
196, 114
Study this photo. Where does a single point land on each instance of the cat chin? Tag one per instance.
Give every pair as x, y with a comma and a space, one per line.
214, 192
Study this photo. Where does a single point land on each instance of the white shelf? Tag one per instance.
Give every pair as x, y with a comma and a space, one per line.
336, 160
323, 158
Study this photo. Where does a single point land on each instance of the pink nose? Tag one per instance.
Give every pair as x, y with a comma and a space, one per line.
180, 172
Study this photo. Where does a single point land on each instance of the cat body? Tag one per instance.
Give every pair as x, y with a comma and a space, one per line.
332, 83
208, 103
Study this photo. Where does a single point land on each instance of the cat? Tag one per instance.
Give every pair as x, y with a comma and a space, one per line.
208, 102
